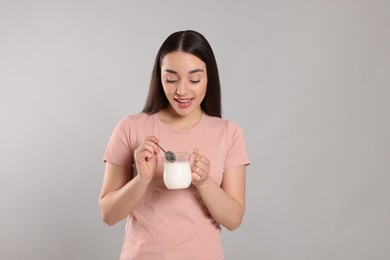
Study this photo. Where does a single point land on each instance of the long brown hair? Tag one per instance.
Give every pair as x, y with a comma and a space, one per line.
196, 44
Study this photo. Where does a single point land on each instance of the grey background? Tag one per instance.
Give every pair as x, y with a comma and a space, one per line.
308, 82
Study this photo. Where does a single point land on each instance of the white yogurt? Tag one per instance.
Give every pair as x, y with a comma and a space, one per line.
177, 175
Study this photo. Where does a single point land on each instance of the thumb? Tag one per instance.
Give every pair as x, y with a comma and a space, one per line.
196, 151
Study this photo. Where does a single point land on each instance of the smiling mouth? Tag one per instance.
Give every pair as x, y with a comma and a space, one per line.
183, 101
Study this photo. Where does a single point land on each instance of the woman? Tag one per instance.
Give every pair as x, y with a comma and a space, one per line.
182, 113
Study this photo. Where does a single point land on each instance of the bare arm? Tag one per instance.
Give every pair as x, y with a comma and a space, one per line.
120, 194
226, 203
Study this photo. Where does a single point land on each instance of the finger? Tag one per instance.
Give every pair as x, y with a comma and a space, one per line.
196, 177
151, 147
201, 163
147, 155
146, 151
147, 148
151, 142
195, 152
204, 160
152, 138
198, 170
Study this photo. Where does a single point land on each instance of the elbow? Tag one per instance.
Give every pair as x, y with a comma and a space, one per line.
108, 220
106, 216
234, 225
236, 221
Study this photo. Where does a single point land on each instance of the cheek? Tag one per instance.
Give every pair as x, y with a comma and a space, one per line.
203, 90
167, 89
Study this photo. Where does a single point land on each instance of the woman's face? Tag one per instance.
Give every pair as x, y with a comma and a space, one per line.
184, 80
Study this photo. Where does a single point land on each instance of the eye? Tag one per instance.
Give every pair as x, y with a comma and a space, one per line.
194, 81
170, 81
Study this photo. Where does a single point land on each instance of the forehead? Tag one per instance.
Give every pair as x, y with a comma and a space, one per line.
182, 60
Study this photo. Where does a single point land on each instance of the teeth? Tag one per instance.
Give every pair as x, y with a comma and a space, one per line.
183, 101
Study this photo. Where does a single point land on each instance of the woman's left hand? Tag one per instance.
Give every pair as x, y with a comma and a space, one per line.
200, 168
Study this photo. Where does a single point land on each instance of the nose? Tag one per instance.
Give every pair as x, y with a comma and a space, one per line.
182, 88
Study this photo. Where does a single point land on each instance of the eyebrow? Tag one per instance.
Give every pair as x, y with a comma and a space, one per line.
191, 72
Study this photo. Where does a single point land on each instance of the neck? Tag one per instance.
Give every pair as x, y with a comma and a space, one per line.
180, 122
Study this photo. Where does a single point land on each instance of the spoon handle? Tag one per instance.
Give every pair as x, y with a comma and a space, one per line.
161, 148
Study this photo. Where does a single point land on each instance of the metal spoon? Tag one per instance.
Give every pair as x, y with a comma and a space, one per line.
170, 156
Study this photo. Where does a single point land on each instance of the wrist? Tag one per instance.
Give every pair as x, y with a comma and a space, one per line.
205, 184
142, 181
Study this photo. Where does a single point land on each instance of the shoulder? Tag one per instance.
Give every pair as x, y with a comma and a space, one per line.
227, 125
136, 119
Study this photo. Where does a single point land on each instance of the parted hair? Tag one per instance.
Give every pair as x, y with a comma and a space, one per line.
196, 44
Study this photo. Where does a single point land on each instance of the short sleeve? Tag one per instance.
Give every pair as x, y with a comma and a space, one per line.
236, 149
118, 150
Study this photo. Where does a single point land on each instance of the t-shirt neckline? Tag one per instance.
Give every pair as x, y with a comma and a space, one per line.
178, 131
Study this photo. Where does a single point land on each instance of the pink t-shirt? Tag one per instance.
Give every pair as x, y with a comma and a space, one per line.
175, 224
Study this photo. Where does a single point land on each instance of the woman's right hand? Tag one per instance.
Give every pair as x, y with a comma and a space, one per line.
146, 158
